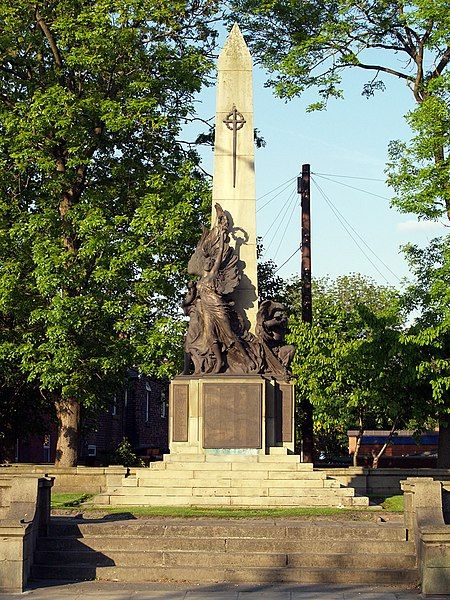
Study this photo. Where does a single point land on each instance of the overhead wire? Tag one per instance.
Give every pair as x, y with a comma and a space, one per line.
288, 259
347, 176
284, 185
285, 229
347, 227
283, 212
353, 187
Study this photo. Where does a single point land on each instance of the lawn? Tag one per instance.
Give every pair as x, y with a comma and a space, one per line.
71, 500
74, 501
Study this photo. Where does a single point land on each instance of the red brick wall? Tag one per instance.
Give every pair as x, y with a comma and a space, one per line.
146, 429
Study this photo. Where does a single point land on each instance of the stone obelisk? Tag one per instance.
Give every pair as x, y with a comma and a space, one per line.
234, 170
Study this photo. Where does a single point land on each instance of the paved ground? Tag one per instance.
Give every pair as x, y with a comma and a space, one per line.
97, 590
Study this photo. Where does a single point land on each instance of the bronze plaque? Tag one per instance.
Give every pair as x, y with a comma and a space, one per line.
180, 407
232, 415
286, 412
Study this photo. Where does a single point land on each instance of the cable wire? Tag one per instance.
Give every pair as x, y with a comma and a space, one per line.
283, 212
288, 259
343, 221
365, 243
276, 188
286, 186
352, 187
347, 176
285, 229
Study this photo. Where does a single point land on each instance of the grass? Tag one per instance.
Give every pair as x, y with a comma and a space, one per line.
393, 503
72, 500
218, 512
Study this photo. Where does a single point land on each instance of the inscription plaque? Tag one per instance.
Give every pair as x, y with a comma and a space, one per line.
180, 407
286, 412
232, 415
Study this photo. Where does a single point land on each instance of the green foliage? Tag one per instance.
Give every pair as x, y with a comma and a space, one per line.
429, 336
270, 285
350, 362
419, 170
125, 456
312, 43
100, 204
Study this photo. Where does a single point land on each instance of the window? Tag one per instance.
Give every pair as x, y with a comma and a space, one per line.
163, 405
148, 389
92, 450
46, 448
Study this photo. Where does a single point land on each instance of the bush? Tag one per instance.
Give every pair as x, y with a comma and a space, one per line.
125, 456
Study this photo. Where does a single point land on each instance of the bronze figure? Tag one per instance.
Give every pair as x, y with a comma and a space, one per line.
217, 340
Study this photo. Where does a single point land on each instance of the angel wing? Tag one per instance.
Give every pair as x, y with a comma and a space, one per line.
229, 275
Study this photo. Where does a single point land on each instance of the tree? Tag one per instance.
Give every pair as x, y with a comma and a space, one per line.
99, 201
429, 335
419, 172
270, 285
312, 43
350, 362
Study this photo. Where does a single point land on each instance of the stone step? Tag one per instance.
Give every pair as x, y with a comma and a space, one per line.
147, 478
304, 547
273, 465
225, 482
121, 498
155, 558
198, 574
260, 529
242, 489
280, 458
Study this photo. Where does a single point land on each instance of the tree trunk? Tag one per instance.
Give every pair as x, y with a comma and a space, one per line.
443, 461
358, 442
385, 445
68, 413
307, 429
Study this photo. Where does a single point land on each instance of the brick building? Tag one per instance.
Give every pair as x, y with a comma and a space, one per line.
404, 450
138, 412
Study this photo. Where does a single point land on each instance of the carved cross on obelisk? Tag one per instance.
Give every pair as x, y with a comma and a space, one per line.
234, 172
234, 121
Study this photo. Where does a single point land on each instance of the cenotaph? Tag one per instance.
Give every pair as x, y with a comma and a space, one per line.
231, 412
234, 395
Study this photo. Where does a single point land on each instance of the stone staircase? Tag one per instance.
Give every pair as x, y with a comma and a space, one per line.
207, 551
271, 480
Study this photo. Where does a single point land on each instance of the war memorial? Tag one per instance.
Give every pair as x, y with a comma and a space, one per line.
231, 432
231, 441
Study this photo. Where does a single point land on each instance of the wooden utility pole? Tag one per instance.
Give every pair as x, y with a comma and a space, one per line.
304, 189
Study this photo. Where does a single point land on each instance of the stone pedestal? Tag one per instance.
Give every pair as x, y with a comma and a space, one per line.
246, 414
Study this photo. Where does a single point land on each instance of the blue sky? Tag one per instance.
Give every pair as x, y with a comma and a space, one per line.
349, 139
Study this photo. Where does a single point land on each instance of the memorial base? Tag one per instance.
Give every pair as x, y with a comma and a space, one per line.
225, 414
231, 444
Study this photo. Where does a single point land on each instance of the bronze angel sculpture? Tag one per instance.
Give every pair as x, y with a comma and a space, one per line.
217, 340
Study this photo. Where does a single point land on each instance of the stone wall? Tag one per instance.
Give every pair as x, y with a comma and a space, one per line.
88, 480
25, 515
381, 482
425, 519
93, 480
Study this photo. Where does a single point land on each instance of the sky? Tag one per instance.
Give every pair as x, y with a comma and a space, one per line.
346, 145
